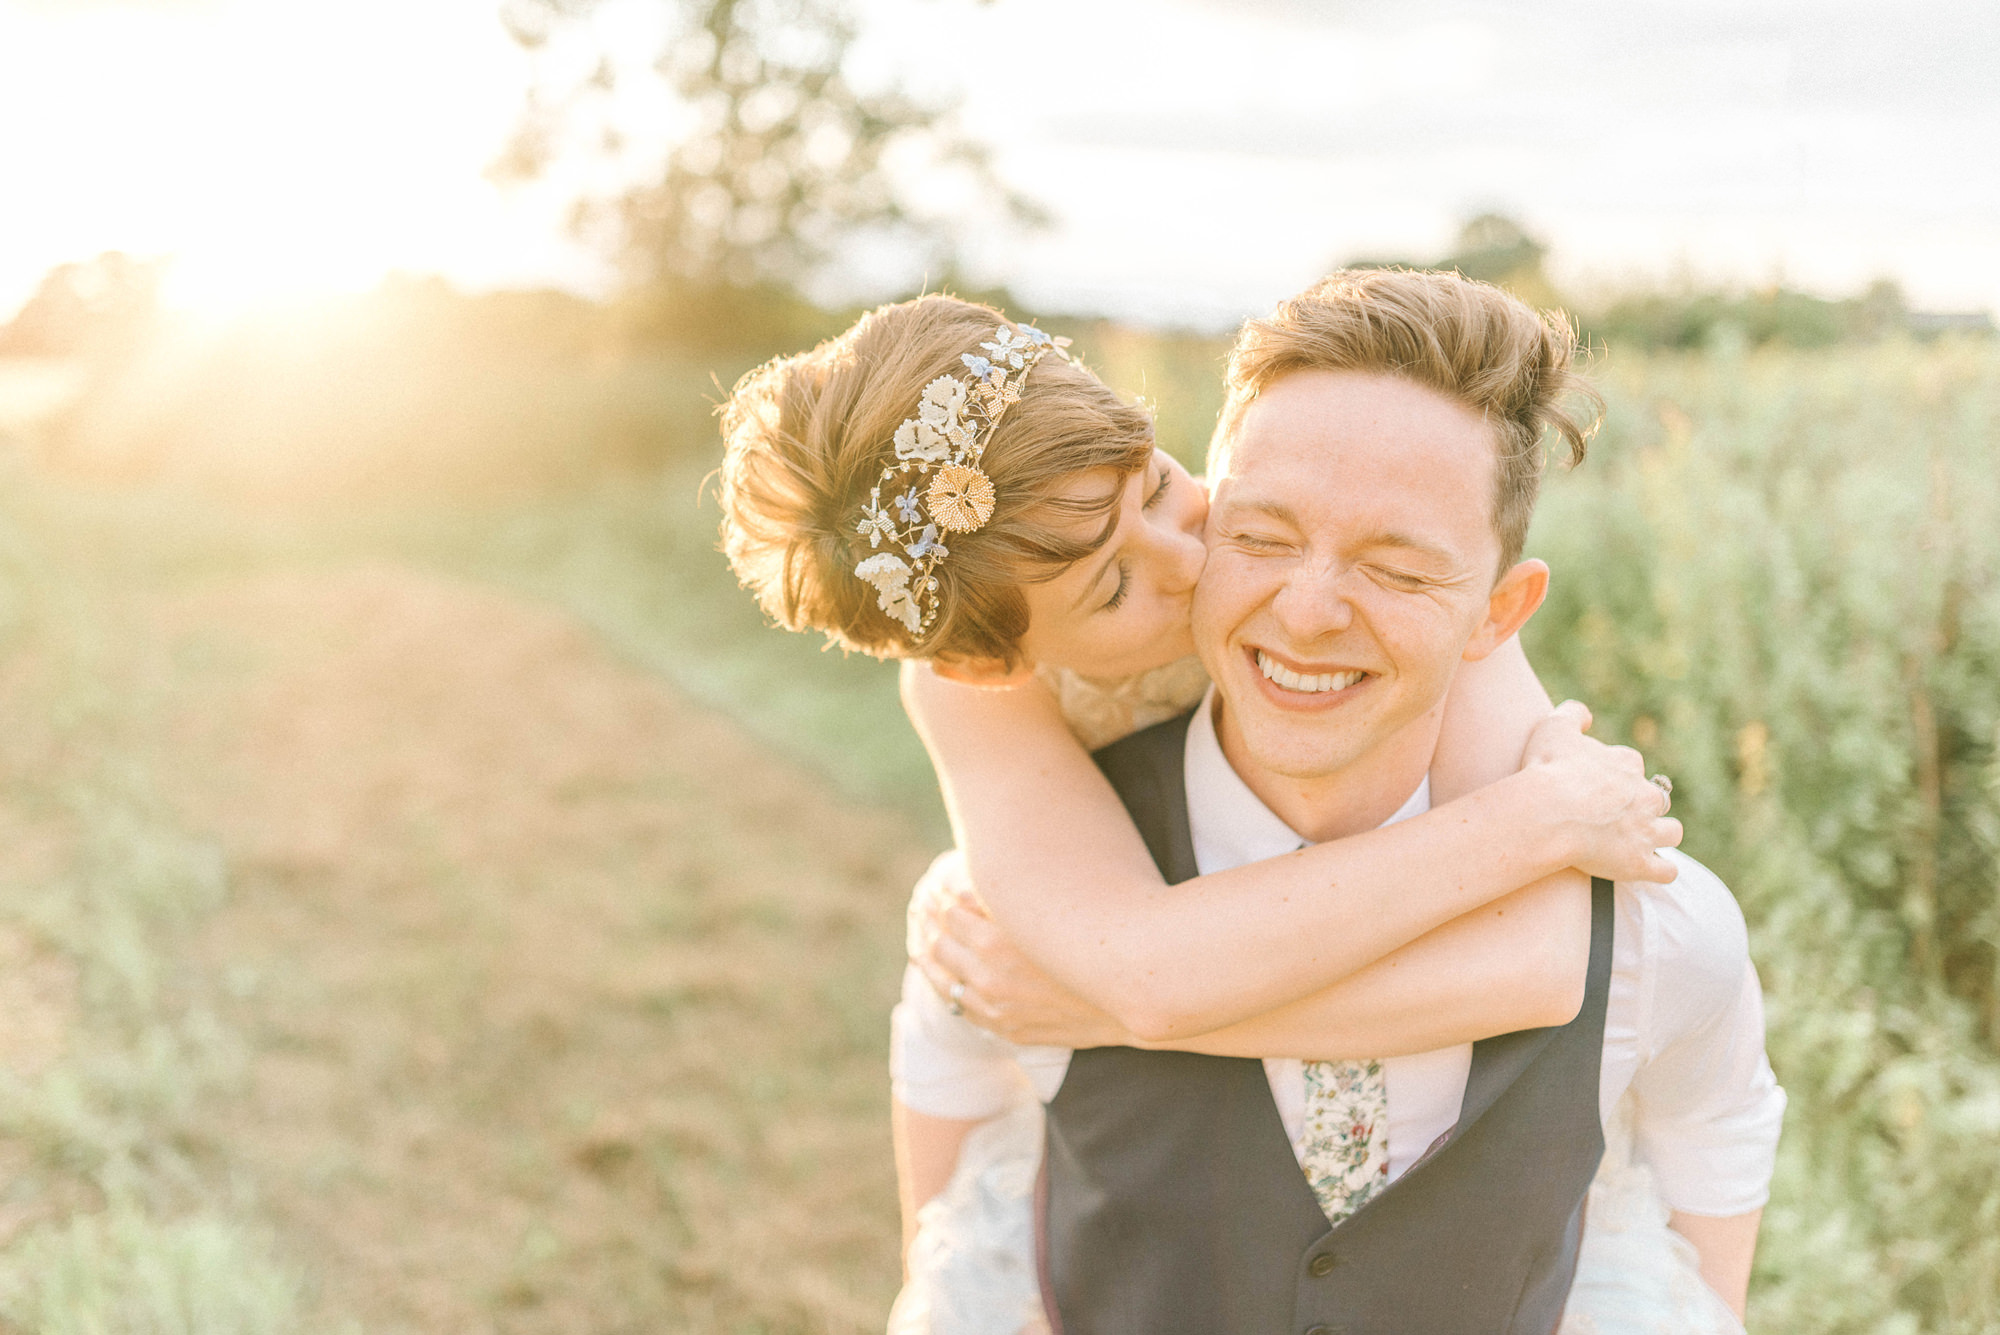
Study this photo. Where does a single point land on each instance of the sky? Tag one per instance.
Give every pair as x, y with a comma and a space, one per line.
1200, 158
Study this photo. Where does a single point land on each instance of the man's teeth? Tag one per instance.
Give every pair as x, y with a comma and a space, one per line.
1299, 681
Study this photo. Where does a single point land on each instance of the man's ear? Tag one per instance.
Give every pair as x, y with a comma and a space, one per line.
1514, 599
976, 671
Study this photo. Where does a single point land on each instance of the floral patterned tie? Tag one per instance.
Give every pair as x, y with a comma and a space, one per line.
1346, 1154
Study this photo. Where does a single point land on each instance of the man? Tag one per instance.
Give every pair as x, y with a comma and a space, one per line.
1373, 477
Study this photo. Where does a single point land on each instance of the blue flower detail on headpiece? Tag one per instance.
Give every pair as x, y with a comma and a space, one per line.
927, 545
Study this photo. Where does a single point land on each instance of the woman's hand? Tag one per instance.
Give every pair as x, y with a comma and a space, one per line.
1616, 818
959, 943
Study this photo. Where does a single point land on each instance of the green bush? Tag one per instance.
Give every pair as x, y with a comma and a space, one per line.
1777, 576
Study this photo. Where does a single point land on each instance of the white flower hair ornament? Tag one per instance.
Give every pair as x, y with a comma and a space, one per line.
943, 444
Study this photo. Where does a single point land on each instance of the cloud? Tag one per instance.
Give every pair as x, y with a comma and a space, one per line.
1860, 54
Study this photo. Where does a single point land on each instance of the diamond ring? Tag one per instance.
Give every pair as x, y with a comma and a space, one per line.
1666, 786
957, 995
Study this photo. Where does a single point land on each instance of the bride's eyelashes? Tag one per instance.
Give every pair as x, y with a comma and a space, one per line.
1124, 584
1159, 490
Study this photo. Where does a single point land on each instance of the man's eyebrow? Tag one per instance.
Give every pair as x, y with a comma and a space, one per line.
1285, 514
1409, 543
1278, 510
1096, 579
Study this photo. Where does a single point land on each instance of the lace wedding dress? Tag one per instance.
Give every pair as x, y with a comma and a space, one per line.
972, 1263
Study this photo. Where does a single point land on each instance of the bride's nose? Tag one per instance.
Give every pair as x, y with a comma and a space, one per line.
1187, 535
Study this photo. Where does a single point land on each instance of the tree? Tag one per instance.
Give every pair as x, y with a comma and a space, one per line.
1491, 248
786, 157
95, 306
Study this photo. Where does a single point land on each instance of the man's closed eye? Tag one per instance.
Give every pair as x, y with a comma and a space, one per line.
1401, 579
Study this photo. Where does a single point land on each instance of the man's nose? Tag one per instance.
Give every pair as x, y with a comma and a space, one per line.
1313, 603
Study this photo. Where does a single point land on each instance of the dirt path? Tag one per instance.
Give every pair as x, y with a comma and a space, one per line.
567, 1000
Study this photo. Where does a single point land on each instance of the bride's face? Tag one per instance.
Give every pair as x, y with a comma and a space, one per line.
1124, 608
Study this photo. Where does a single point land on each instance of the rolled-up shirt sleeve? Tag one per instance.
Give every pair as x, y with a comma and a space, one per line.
1708, 1109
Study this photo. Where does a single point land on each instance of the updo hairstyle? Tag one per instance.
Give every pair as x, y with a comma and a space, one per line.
805, 438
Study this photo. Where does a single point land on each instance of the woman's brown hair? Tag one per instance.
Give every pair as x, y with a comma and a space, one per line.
805, 438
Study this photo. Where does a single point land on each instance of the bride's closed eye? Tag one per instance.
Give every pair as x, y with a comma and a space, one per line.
1124, 584
1166, 481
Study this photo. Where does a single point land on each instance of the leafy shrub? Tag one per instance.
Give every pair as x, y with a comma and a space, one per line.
1777, 575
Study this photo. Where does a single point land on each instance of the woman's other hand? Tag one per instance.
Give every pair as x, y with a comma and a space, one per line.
1617, 818
971, 961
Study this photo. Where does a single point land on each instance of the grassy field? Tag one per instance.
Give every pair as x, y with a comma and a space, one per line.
452, 914
388, 952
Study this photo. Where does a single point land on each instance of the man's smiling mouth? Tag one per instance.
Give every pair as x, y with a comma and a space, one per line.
1305, 683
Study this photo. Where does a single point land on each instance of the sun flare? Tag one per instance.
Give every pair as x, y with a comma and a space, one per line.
272, 154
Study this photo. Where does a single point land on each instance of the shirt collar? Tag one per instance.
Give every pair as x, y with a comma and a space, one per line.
1230, 824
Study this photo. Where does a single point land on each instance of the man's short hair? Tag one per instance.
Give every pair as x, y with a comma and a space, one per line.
1469, 341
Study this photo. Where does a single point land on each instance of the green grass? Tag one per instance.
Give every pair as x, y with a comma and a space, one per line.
138, 1224
635, 559
123, 1269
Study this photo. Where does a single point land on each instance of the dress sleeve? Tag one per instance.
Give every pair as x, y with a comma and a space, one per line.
943, 1065
1708, 1108
940, 1064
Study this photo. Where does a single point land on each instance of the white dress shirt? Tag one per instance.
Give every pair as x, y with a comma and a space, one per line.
1683, 1026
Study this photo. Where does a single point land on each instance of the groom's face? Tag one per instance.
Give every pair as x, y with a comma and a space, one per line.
1351, 557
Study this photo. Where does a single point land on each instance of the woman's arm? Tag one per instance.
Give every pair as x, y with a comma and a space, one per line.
927, 1150
1456, 984
1064, 872
1494, 704
1724, 1249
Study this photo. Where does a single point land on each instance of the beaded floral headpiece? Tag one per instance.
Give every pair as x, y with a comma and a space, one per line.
949, 434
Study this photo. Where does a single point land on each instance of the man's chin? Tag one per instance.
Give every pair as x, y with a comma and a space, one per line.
1293, 767
1283, 747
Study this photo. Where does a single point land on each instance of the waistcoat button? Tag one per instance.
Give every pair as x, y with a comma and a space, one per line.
1323, 1264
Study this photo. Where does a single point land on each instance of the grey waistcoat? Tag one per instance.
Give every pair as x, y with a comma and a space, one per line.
1175, 1206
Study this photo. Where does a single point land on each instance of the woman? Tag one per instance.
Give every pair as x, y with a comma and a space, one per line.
1021, 528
